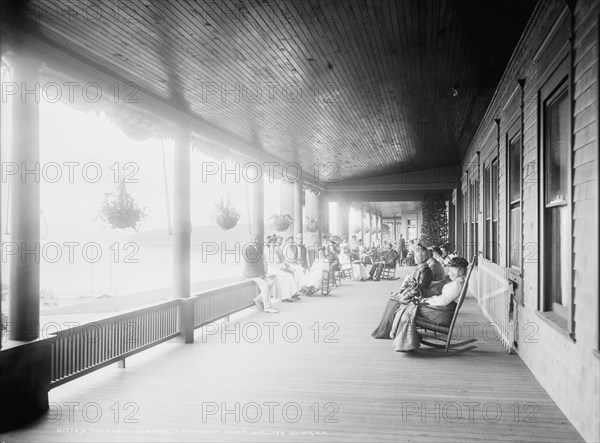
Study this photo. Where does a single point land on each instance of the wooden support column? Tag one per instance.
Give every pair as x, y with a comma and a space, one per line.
311, 239
286, 194
362, 225
257, 205
298, 194
370, 228
25, 369
324, 212
182, 230
343, 218
24, 223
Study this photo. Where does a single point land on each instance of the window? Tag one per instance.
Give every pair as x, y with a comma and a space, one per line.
490, 210
465, 219
514, 195
555, 230
473, 215
411, 226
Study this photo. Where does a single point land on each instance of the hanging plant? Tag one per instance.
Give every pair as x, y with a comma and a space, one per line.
386, 229
226, 216
311, 224
281, 222
356, 228
366, 230
120, 211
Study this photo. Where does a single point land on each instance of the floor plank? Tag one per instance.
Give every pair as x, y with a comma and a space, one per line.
325, 378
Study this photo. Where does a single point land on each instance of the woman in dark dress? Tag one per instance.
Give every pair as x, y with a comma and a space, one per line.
417, 281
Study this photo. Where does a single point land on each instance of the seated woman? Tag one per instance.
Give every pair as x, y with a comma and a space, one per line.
344, 257
285, 283
295, 259
413, 286
331, 256
437, 309
315, 275
359, 271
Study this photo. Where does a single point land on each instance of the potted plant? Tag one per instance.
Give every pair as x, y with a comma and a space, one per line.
119, 210
281, 222
226, 216
311, 224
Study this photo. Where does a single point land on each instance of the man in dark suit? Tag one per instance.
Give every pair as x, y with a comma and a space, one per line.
388, 260
254, 268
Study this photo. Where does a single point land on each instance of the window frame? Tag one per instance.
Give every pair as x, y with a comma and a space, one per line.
555, 84
514, 131
491, 194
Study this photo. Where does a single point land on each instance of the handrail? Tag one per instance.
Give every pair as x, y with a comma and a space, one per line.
86, 348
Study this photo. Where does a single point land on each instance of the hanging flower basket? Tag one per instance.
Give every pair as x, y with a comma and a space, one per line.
226, 216
311, 224
366, 229
120, 211
281, 222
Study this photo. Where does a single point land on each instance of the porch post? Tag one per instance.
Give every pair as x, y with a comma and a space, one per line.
24, 223
324, 205
182, 230
257, 215
370, 228
312, 211
297, 214
25, 369
287, 204
362, 225
343, 218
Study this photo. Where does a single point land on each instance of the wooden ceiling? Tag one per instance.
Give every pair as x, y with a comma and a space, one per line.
371, 86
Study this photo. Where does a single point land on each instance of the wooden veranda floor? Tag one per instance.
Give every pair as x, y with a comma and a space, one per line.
323, 379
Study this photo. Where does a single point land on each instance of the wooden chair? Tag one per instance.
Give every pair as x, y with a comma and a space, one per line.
346, 271
447, 330
330, 279
389, 273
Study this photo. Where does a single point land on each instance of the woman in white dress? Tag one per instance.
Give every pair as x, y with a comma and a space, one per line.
285, 284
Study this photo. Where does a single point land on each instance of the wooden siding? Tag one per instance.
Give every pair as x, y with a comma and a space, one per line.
567, 369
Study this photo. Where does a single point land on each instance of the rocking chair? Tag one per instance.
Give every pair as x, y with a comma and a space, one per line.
447, 329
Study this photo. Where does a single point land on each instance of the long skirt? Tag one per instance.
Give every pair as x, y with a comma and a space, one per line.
385, 325
404, 329
440, 315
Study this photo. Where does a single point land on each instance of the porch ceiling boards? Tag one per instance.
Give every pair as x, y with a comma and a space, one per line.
365, 84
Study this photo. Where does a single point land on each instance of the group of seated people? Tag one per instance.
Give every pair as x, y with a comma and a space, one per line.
281, 269
428, 293
284, 270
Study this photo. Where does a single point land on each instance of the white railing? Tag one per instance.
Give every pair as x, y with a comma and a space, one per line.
494, 296
83, 349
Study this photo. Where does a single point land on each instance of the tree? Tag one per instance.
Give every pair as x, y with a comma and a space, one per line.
434, 230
